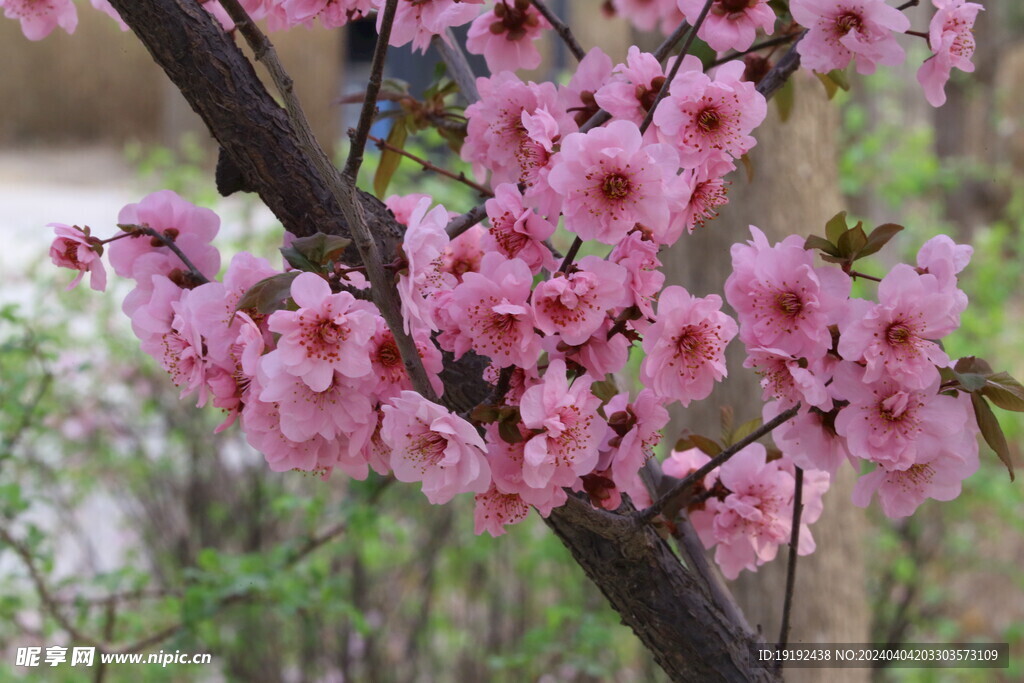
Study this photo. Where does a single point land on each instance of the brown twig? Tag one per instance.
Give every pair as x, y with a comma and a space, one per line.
457, 64
782, 70
663, 93
665, 49
167, 242
461, 224
427, 165
683, 485
562, 29
909, 4
794, 543
771, 42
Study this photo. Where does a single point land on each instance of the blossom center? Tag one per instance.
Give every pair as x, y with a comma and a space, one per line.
789, 303
330, 332
731, 6
428, 448
616, 186
898, 333
388, 354
709, 120
848, 21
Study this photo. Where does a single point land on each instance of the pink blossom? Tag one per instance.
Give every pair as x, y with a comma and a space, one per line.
707, 190
338, 410
424, 245
646, 14
630, 93
575, 305
951, 38
936, 473
784, 302
39, 17
431, 445
491, 308
685, 347
730, 24
418, 22
889, 424
328, 333
942, 257
750, 522
388, 368
598, 355
506, 34
566, 447
507, 470
838, 32
706, 119
330, 13
105, 7
639, 257
464, 253
591, 74
893, 336
495, 510
403, 205
611, 181
784, 377
140, 257
807, 440
634, 432
497, 140
516, 231
75, 249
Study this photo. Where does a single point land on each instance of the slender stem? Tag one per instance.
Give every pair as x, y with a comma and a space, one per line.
458, 65
669, 43
570, 255
685, 483
771, 42
865, 276
461, 224
380, 51
690, 37
561, 28
908, 4
919, 34
427, 165
781, 72
169, 243
794, 543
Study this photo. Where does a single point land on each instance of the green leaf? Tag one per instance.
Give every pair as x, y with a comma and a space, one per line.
973, 364
992, 432
835, 227
785, 98
604, 390
852, 241
314, 253
878, 238
970, 381
1005, 392
706, 445
389, 158
745, 430
822, 244
484, 414
839, 77
830, 86
509, 431
269, 294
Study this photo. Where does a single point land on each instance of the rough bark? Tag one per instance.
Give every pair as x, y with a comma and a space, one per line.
666, 606
255, 133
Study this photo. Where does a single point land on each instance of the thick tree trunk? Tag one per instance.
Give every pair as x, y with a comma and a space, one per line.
795, 190
665, 605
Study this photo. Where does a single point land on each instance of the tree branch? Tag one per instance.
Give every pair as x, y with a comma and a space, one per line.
684, 484
794, 543
562, 29
429, 166
457, 63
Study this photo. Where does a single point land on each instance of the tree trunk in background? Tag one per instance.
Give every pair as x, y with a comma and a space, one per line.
795, 190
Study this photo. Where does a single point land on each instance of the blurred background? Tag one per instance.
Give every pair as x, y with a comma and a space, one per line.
124, 520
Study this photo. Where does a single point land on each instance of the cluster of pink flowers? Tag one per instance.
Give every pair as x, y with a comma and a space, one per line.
865, 373
305, 364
